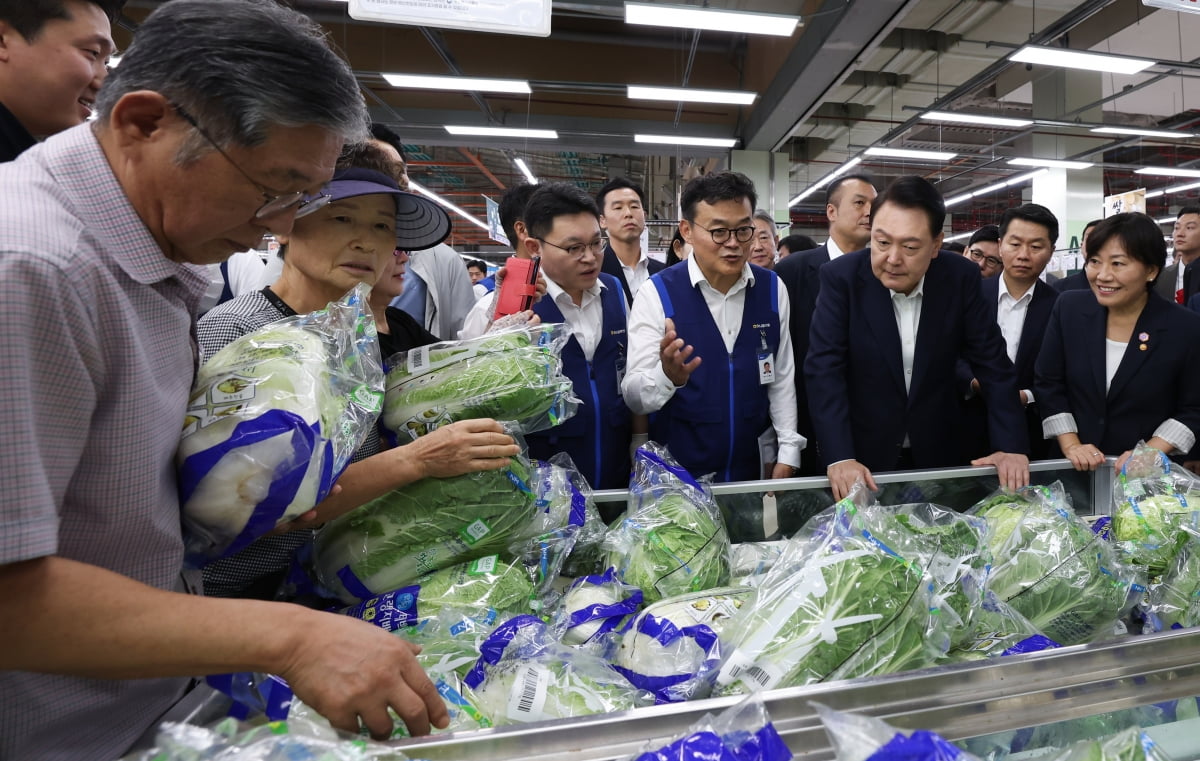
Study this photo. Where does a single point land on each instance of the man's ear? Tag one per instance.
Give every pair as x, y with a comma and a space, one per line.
830, 212
937, 244
142, 116
7, 36
685, 229
533, 247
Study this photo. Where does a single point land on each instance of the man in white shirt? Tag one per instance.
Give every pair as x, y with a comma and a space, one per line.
709, 351
622, 205
1185, 238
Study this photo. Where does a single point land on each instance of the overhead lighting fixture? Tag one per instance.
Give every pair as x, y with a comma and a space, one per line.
991, 121
689, 95
706, 19
438, 199
956, 200
1163, 171
541, 134
826, 180
1051, 163
959, 236
1182, 188
1014, 180
708, 142
1166, 220
525, 171
1076, 59
461, 84
1143, 132
904, 153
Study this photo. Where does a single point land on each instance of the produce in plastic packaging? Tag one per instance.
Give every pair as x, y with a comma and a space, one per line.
998, 630
674, 663
1128, 745
512, 375
865, 738
431, 524
1174, 602
1151, 509
715, 608
743, 732
273, 419
594, 606
672, 539
751, 561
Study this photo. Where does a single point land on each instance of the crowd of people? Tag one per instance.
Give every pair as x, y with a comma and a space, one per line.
748, 356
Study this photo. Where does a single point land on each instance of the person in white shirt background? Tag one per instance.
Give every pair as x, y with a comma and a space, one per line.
622, 204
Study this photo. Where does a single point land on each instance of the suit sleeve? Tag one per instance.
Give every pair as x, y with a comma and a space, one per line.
987, 358
825, 369
1187, 410
1050, 372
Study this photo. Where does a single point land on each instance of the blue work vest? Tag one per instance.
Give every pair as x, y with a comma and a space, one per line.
712, 424
597, 437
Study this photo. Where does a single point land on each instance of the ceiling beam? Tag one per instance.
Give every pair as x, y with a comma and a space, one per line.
483, 169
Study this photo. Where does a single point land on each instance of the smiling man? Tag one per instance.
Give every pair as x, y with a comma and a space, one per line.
53, 59
890, 324
707, 353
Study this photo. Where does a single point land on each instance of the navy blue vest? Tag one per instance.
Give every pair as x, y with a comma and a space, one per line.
712, 424
489, 283
597, 437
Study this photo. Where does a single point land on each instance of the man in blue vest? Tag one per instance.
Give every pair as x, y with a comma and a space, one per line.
709, 355
563, 225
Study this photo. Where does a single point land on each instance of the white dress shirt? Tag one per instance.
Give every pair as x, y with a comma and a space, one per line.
1011, 314
1114, 351
834, 249
647, 388
584, 321
908, 318
638, 274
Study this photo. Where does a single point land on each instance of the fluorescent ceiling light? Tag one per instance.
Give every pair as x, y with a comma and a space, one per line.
904, 153
710, 142
1051, 163
1181, 188
1163, 171
992, 121
689, 95
545, 134
463, 84
960, 236
1166, 220
1075, 59
688, 17
825, 180
1143, 132
1020, 178
435, 197
955, 200
525, 171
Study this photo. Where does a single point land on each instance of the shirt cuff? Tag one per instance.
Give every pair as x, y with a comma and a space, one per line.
789, 453
1177, 435
1057, 425
1028, 395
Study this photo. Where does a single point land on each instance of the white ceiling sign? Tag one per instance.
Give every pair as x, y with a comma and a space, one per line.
1187, 6
528, 17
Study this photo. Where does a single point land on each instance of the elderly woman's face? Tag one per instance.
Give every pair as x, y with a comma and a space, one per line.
345, 243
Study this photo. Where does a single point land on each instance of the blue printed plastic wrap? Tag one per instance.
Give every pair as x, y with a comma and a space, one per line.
595, 606
741, 733
864, 738
674, 663
273, 420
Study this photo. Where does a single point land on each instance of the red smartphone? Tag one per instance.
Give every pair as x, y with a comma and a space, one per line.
518, 287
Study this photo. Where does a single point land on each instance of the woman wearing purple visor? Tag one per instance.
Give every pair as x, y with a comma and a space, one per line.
349, 240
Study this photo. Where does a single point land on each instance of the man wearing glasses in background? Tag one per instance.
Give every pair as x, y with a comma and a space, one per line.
984, 250
708, 353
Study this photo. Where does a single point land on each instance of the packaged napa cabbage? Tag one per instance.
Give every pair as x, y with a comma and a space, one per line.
273, 420
450, 641
750, 561
430, 524
742, 732
483, 584
1127, 745
512, 375
594, 606
864, 738
1151, 509
1174, 602
673, 663
672, 539
1051, 568
523, 675
716, 608
997, 629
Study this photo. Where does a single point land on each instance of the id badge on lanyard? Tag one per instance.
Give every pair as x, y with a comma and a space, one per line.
766, 361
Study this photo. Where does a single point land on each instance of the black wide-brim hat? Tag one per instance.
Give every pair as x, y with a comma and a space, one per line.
420, 223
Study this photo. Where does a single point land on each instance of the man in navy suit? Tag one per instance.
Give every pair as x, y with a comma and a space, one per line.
1020, 303
848, 209
890, 325
622, 204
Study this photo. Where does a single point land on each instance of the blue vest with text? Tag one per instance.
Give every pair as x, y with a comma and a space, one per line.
597, 437
712, 424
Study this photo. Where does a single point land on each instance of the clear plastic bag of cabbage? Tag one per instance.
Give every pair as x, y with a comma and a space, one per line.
751, 560
1151, 509
450, 641
997, 629
1127, 745
594, 606
839, 606
523, 675
512, 375
1049, 566
483, 584
672, 539
742, 732
864, 738
1174, 602
674, 663
273, 420
431, 524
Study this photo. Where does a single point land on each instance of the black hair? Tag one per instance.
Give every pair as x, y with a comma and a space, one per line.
1139, 235
831, 192
797, 243
672, 257
512, 209
1035, 213
556, 199
985, 234
956, 246
714, 188
386, 134
617, 183
1188, 210
478, 264
913, 192
28, 17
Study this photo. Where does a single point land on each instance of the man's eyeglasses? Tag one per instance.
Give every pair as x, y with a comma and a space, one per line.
721, 234
978, 255
577, 250
273, 203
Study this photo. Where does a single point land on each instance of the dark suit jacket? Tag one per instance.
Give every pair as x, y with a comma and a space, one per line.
612, 265
1149, 387
1165, 285
854, 370
798, 273
1076, 282
14, 138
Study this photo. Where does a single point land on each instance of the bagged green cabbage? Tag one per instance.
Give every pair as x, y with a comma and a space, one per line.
273, 420
997, 629
433, 523
864, 738
512, 375
742, 732
672, 539
1151, 509
672, 662
1127, 745
1174, 602
594, 606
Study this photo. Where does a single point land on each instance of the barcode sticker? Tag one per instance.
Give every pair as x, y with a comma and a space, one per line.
527, 700
740, 667
418, 359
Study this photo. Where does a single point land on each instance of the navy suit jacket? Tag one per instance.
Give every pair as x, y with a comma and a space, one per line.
1076, 282
798, 273
855, 372
1149, 387
612, 265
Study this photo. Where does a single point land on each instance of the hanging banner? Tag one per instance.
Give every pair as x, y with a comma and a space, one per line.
1186, 6
1134, 200
527, 17
495, 229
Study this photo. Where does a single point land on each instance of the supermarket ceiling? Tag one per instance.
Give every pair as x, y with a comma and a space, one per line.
855, 74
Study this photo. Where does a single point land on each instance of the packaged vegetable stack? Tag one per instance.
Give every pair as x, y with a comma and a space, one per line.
1154, 503
743, 732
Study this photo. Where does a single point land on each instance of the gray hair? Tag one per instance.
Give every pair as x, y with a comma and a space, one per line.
240, 67
766, 217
